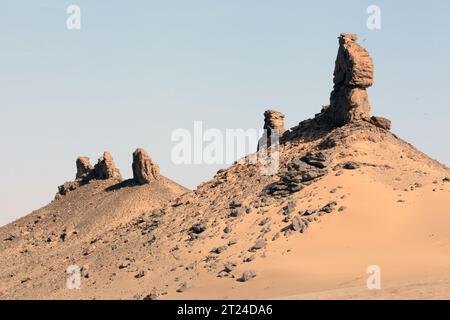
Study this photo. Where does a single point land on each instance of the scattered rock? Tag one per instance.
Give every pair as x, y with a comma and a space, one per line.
350, 165
329, 207
140, 274
183, 287
230, 266
196, 229
236, 212
67, 187
235, 204
9, 237
309, 212
264, 221
191, 266
249, 259
219, 250
150, 296
259, 244
228, 229
299, 224
236, 209
289, 208
247, 275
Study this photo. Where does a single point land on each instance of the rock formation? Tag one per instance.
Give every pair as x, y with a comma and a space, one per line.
274, 120
106, 168
144, 169
84, 168
300, 173
273, 123
349, 101
353, 74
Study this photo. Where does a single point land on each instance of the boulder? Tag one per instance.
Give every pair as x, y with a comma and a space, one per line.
247, 275
381, 122
144, 169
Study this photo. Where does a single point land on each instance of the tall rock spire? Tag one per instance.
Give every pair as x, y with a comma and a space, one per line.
144, 169
353, 74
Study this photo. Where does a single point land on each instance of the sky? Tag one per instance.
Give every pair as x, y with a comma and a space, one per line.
138, 70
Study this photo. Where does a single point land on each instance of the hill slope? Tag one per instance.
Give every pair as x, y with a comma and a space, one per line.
395, 213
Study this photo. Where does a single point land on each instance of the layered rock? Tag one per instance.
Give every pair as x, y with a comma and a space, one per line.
106, 168
144, 169
353, 74
84, 168
301, 172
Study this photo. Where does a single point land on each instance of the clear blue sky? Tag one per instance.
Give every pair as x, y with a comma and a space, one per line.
137, 70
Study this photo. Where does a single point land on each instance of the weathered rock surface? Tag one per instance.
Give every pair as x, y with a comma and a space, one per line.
247, 275
67, 187
84, 168
273, 129
106, 168
299, 224
144, 169
353, 74
274, 120
300, 173
381, 122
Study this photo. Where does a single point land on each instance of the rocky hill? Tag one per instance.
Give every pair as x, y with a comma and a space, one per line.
348, 194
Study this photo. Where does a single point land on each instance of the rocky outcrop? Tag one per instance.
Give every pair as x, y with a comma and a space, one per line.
353, 74
349, 101
300, 172
84, 168
106, 168
66, 188
144, 169
274, 120
273, 129
381, 122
